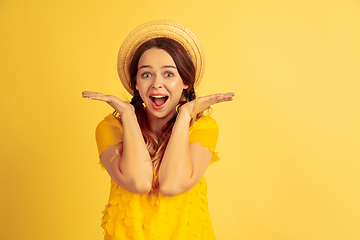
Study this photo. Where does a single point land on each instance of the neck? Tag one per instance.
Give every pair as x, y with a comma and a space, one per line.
156, 124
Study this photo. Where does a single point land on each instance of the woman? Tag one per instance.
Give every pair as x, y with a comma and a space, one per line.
157, 148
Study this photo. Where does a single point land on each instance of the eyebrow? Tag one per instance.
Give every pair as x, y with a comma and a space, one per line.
165, 66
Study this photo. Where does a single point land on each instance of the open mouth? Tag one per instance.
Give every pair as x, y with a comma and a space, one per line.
158, 100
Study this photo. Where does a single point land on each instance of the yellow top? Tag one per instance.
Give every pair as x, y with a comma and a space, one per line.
134, 216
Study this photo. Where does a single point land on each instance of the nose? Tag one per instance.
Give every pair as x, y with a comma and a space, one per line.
158, 82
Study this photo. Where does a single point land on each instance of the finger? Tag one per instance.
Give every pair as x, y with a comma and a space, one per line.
92, 94
227, 97
218, 98
215, 98
99, 98
95, 96
87, 94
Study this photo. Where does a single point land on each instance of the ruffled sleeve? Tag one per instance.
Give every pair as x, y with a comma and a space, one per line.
206, 131
108, 132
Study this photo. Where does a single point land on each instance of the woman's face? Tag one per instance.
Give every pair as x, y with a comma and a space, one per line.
159, 83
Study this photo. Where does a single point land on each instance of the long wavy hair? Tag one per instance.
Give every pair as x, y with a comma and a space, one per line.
157, 141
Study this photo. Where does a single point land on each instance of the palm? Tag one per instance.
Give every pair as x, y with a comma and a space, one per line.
202, 103
119, 105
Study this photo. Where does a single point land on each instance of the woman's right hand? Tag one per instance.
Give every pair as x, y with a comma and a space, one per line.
119, 105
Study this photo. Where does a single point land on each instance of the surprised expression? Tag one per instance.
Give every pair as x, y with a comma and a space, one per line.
159, 83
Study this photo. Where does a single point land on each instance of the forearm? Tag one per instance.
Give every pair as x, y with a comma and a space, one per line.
176, 167
135, 164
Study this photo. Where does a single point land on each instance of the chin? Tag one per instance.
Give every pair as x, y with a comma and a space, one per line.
162, 114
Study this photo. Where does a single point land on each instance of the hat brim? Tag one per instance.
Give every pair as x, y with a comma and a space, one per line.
157, 29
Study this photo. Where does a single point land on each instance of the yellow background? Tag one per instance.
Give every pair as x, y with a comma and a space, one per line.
289, 142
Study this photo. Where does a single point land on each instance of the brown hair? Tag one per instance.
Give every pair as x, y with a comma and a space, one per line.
157, 142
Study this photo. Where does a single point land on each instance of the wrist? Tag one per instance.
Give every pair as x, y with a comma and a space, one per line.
184, 116
127, 114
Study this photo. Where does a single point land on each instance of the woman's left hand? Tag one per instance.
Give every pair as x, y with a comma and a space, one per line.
202, 103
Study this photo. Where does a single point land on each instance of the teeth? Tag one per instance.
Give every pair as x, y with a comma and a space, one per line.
158, 96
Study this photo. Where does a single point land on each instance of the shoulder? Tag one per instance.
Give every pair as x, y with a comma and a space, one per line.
111, 120
108, 123
204, 122
206, 132
108, 132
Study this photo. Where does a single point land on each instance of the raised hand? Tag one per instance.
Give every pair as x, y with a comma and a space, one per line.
119, 105
202, 103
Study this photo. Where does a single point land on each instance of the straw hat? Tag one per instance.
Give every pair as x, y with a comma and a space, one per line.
156, 29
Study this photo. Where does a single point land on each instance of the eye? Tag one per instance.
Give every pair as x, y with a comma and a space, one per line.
146, 75
169, 74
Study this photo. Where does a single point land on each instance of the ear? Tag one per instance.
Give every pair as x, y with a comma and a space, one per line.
136, 87
185, 86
